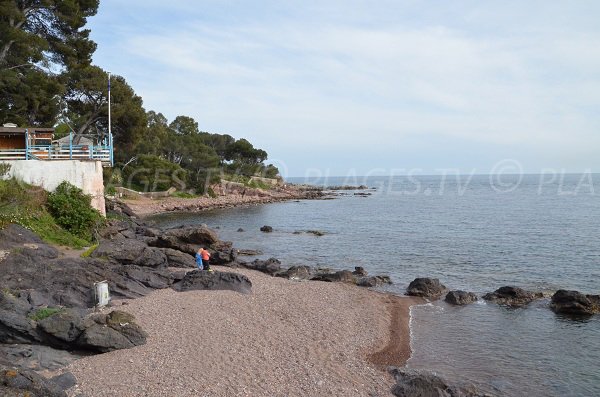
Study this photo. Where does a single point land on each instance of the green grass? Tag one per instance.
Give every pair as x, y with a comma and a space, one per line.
184, 195
89, 251
46, 312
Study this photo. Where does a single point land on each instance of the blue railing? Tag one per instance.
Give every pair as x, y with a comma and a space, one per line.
103, 152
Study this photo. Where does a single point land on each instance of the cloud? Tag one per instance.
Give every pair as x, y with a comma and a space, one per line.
285, 82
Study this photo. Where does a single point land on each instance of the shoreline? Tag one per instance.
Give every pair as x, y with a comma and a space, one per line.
271, 342
226, 198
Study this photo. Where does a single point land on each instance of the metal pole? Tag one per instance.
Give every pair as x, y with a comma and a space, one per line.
70, 145
26, 144
109, 119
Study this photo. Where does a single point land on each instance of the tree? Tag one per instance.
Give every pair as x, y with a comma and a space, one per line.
184, 125
47, 32
38, 40
86, 101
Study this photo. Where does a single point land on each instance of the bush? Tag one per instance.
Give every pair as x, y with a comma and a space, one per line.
72, 210
46, 312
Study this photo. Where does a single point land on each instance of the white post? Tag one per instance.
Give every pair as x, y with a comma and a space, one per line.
109, 127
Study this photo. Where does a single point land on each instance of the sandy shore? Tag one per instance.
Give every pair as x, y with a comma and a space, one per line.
225, 199
285, 339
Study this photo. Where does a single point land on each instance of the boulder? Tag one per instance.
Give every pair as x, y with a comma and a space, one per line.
412, 383
266, 229
512, 296
130, 252
373, 281
247, 252
240, 230
575, 303
360, 271
114, 229
342, 276
430, 288
114, 331
203, 280
15, 325
23, 382
296, 273
65, 380
186, 239
458, 297
65, 325
177, 258
270, 266
223, 253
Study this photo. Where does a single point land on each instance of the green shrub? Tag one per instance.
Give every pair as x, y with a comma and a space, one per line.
184, 195
46, 312
72, 210
4, 168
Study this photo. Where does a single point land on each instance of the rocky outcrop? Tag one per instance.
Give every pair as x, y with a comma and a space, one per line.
266, 229
202, 280
269, 266
24, 382
411, 383
130, 252
430, 288
186, 239
178, 259
36, 357
373, 281
343, 276
460, 298
512, 296
575, 303
296, 273
113, 331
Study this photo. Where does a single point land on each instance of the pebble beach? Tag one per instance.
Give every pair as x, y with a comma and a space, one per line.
286, 338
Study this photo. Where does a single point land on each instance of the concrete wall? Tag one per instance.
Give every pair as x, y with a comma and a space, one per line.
86, 175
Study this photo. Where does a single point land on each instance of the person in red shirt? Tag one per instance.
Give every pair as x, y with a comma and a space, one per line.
205, 259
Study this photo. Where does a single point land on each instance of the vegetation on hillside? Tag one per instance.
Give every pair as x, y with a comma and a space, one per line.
28, 206
47, 79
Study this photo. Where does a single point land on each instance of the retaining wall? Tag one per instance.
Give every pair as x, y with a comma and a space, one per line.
86, 175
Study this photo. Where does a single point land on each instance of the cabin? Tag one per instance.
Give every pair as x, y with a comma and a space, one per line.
35, 143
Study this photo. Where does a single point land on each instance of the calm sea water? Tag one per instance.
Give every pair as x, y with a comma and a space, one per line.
472, 232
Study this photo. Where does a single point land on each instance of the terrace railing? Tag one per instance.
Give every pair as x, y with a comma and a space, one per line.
103, 153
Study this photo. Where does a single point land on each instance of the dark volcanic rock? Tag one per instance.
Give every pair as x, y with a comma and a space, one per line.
177, 258
575, 303
23, 382
296, 273
186, 239
373, 281
130, 252
512, 296
114, 331
411, 383
266, 229
36, 357
223, 253
360, 271
240, 230
342, 276
202, 280
459, 297
66, 325
65, 381
270, 266
426, 287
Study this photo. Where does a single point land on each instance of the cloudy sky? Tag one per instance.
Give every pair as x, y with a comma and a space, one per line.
371, 87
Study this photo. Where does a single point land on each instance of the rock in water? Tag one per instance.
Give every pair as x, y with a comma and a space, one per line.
512, 296
426, 287
575, 303
460, 298
270, 266
411, 383
266, 229
342, 276
203, 280
296, 273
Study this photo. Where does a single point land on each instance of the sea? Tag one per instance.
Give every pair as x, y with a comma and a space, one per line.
473, 232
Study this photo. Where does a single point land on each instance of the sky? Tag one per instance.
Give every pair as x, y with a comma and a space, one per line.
349, 87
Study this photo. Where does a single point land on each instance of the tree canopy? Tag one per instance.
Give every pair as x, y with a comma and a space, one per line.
47, 79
